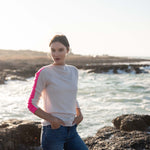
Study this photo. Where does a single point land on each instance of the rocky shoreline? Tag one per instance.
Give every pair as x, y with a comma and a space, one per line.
130, 131
106, 68
24, 71
19, 65
22, 74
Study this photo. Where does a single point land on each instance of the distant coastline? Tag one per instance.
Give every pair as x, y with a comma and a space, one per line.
31, 54
22, 64
90, 55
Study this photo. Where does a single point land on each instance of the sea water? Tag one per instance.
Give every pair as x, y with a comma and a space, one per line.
102, 97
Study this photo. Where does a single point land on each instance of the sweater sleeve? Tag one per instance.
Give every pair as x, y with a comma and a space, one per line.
77, 103
38, 86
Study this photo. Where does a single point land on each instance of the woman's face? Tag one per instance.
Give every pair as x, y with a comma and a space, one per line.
58, 53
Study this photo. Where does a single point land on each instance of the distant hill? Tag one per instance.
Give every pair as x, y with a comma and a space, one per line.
20, 54
36, 57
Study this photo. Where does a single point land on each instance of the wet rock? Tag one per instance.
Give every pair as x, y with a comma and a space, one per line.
18, 74
25, 71
2, 77
14, 77
116, 69
132, 122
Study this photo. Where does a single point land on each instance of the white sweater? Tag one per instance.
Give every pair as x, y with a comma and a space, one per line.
57, 86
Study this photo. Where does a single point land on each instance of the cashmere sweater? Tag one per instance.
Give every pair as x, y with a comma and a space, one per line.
56, 85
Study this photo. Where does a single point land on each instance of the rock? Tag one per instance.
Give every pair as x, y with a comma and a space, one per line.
20, 135
110, 138
98, 68
20, 73
14, 77
114, 68
2, 77
132, 122
119, 137
25, 135
24, 70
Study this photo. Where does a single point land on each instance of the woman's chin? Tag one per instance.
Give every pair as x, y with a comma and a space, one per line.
58, 63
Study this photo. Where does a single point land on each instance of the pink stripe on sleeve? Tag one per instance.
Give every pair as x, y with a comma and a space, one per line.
31, 107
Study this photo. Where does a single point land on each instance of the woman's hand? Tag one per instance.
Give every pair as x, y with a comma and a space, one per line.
79, 116
78, 119
56, 122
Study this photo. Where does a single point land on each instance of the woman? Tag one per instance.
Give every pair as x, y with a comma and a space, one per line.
56, 84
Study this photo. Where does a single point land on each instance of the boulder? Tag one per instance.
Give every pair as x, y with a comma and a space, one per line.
110, 138
131, 132
132, 122
20, 135
115, 68
2, 77
14, 77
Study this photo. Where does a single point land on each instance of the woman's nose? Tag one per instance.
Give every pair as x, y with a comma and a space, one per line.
56, 53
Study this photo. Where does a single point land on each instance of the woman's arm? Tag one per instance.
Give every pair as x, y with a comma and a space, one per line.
39, 85
54, 121
79, 116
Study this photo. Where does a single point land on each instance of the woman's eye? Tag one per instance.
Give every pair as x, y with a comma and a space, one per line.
61, 50
52, 50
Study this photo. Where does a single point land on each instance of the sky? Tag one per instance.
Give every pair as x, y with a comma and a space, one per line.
93, 27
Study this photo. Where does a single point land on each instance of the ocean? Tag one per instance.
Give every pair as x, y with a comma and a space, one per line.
102, 97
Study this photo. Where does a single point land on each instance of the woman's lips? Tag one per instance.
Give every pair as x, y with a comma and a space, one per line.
57, 59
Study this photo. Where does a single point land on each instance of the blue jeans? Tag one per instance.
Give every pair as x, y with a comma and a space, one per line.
63, 138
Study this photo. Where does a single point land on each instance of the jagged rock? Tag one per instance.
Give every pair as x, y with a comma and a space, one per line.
117, 68
14, 77
119, 137
110, 138
132, 122
19, 135
2, 77
26, 71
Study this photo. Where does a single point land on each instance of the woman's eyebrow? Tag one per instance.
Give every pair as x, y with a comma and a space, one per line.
61, 48
52, 49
